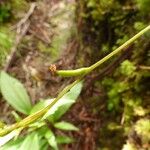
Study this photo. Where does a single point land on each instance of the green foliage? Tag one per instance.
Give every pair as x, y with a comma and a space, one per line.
125, 95
16, 95
64, 140
106, 26
127, 68
131, 104
51, 139
142, 128
18, 5
65, 126
8, 137
8, 9
31, 141
143, 5
4, 12
41, 104
64, 103
99, 8
61, 106
47, 49
114, 92
109, 23
12, 145
5, 44
139, 25
5, 41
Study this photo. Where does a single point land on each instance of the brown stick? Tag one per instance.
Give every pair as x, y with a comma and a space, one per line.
22, 28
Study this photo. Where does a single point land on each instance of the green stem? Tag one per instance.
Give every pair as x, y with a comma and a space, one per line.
126, 44
81, 73
31, 118
87, 70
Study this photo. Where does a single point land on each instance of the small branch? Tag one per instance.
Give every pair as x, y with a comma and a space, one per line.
87, 70
22, 28
12, 55
110, 68
26, 17
119, 49
144, 67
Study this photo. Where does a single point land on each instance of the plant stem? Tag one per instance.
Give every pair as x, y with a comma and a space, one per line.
31, 118
97, 64
87, 70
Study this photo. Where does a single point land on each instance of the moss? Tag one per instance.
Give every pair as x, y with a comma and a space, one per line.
143, 5
105, 26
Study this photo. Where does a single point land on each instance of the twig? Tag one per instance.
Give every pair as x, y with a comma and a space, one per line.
144, 67
107, 70
12, 55
22, 28
44, 39
119, 49
27, 16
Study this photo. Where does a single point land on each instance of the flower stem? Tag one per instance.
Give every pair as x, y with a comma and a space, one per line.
87, 70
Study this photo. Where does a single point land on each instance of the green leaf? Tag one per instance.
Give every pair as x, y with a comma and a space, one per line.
51, 139
43, 144
41, 104
64, 140
30, 142
14, 93
65, 126
42, 131
12, 145
64, 103
8, 137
